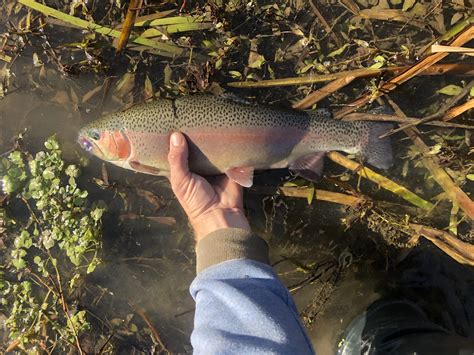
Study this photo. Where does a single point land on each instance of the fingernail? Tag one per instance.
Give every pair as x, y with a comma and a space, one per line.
176, 139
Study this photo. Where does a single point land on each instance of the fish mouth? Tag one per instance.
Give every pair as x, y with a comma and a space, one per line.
90, 146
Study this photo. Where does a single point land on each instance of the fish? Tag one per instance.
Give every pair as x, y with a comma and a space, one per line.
231, 137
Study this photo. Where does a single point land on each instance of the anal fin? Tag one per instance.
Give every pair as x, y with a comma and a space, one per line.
310, 166
241, 175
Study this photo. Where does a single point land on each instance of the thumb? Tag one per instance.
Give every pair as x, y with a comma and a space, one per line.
178, 160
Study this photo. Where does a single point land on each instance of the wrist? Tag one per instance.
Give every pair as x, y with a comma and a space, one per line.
219, 219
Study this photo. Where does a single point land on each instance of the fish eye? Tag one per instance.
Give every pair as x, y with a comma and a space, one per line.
95, 135
86, 145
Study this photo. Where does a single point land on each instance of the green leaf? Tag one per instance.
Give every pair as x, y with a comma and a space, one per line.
72, 171
19, 263
470, 177
256, 61
408, 4
16, 158
97, 213
235, 74
450, 90
338, 51
51, 144
93, 264
48, 174
9, 185
48, 241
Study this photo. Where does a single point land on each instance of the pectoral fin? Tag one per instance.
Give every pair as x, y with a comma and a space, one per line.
241, 175
309, 167
142, 168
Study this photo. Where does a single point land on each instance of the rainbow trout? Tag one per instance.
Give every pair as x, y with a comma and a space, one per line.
230, 137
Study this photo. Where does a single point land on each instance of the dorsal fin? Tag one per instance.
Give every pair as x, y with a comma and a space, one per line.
235, 98
320, 113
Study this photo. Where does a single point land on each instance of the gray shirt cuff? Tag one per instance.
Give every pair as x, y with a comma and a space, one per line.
228, 244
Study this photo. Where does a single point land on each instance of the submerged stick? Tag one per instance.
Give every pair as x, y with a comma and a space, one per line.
460, 251
132, 12
452, 32
320, 94
366, 116
443, 179
154, 332
441, 112
321, 195
436, 48
384, 182
414, 70
458, 110
325, 24
441, 176
339, 198
453, 68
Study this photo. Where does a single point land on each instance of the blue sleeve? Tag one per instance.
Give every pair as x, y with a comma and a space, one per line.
242, 307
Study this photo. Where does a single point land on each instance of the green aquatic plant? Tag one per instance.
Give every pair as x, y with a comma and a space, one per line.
50, 239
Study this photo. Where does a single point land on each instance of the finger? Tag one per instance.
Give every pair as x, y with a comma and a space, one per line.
178, 160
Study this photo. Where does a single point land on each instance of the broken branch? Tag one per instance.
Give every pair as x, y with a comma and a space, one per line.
453, 68
460, 251
132, 12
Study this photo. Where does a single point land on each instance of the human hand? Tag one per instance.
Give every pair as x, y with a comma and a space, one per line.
209, 207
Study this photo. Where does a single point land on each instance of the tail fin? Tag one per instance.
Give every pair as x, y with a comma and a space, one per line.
378, 151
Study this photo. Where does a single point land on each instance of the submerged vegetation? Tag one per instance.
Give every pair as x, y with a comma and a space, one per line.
350, 55
53, 241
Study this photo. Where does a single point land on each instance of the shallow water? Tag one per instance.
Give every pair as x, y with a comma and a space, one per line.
150, 265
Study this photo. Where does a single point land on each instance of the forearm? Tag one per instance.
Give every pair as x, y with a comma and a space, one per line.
241, 306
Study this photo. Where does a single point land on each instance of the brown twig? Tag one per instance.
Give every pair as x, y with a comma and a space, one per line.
340, 198
351, 6
322, 195
133, 8
438, 69
458, 110
154, 332
435, 48
414, 70
440, 113
64, 306
455, 248
321, 93
366, 116
324, 23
